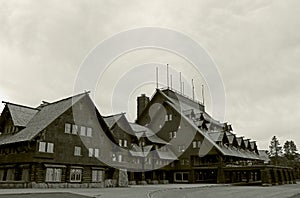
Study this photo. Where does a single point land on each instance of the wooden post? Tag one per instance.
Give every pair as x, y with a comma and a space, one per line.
266, 177
221, 174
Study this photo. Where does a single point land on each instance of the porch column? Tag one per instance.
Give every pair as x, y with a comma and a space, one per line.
221, 174
281, 180
275, 174
266, 177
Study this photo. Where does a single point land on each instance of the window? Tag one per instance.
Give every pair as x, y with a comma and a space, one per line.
53, 175
125, 143
181, 177
42, 146
10, 176
74, 129
50, 147
96, 153
67, 128
97, 175
77, 151
83, 131
199, 143
120, 157
91, 152
120, 142
185, 162
46, 147
114, 157
89, 132
75, 175
173, 134
181, 148
194, 144
168, 117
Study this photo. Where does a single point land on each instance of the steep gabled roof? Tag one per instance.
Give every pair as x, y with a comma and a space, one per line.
42, 119
167, 155
142, 131
216, 136
20, 114
112, 119
211, 137
138, 151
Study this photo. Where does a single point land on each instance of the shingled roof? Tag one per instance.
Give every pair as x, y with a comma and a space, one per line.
112, 119
20, 114
212, 137
41, 119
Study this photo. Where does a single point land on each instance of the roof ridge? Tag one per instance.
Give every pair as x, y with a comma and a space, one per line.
187, 97
122, 113
67, 98
4, 102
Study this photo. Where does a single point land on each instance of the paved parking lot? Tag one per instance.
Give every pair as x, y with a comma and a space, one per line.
160, 191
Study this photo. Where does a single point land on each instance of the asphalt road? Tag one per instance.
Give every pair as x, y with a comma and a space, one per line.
161, 191
44, 195
284, 191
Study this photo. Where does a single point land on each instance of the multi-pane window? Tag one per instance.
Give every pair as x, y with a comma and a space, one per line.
53, 175
97, 175
83, 131
181, 148
77, 151
75, 175
42, 146
197, 144
78, 130
120, 158
89, 132
122, 143
93, 152
114, 157
50, 147
194, 144
168, 117
46, 147
96, 153
172, 134
74, 129
68, 128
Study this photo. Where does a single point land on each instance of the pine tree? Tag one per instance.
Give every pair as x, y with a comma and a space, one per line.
290, 150
275, 150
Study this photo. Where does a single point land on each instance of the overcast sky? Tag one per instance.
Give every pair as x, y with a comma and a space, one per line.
255, 44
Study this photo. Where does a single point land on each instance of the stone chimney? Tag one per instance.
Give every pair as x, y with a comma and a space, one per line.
142, 102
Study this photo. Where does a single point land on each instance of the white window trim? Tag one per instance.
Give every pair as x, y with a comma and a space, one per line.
77, 151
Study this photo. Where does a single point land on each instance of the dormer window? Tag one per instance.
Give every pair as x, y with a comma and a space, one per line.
168, 117
172, 134
75, 129
67, 128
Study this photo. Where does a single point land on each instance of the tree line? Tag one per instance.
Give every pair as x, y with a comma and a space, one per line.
285, 155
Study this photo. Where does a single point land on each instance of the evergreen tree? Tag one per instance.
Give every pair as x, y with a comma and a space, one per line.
275, 150
290, 150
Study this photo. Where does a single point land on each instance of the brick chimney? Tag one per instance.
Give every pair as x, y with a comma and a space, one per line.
142, 102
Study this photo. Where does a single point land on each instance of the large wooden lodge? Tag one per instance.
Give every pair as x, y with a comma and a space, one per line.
68, 143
